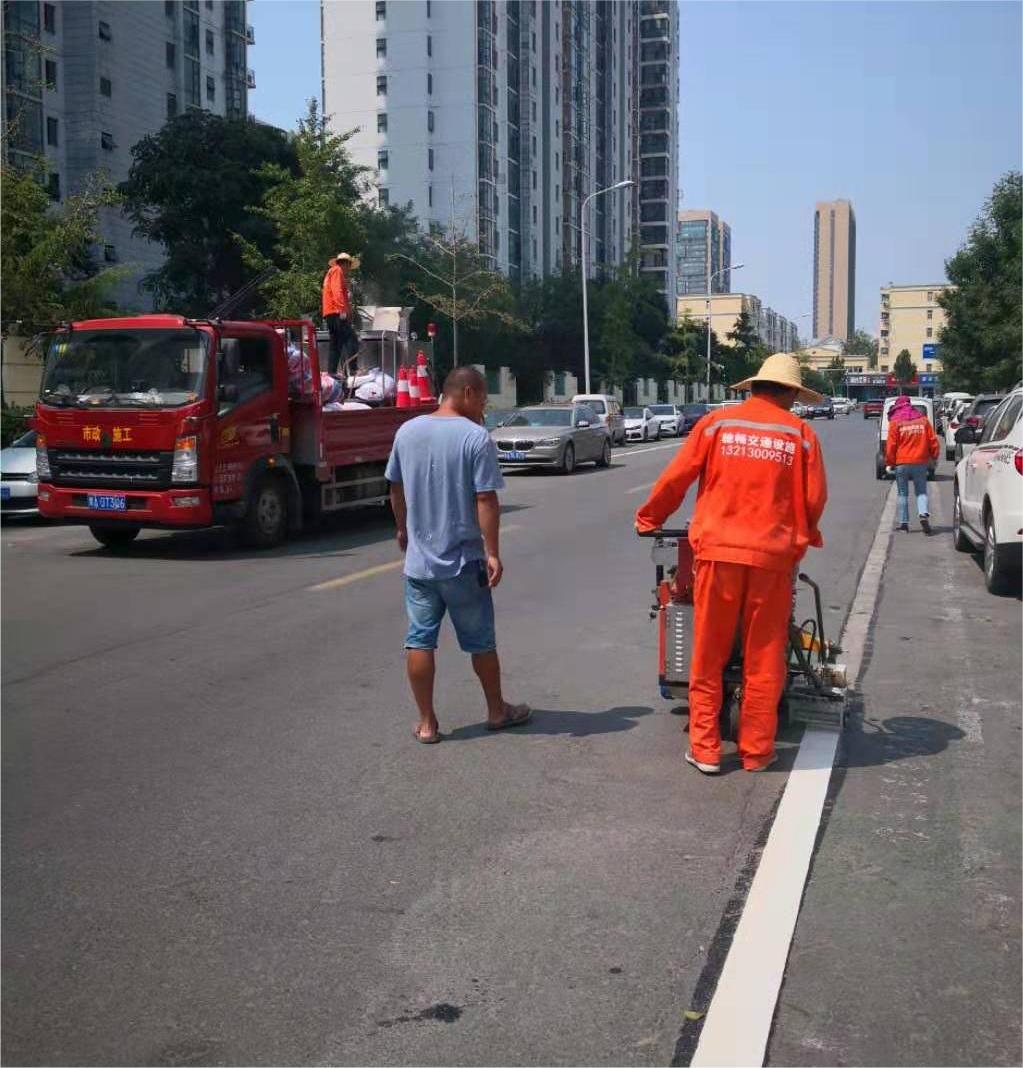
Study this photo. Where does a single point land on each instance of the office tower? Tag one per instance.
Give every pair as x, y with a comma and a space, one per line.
497, 118
834, 269
85, 80
703, 250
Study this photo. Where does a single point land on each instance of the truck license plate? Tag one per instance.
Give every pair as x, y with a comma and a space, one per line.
513, 455
106, 503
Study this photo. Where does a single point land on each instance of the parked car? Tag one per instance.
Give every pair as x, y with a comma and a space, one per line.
925, 406
691, 415
608, 411
873, 408
972, 419
800, 409
641, 425
987, 496
553, 435
842, 405
19, 486
669, 418
822, 409
953, 421
495, 417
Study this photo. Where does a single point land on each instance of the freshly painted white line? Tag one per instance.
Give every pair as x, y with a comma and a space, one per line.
738, 1022
639, 489
650, 448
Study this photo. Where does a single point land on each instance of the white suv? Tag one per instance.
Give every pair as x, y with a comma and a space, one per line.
987, 505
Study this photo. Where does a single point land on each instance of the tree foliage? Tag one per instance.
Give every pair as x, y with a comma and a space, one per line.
981, 343
904, 369
745, 353
860, 343
189, 188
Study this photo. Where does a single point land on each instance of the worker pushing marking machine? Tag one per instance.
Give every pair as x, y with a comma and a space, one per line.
762, 492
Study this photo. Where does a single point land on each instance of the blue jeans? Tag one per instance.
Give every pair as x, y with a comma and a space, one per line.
918, 474
466, 597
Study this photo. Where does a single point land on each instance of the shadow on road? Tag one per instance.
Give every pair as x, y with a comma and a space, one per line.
551, 722
868, 744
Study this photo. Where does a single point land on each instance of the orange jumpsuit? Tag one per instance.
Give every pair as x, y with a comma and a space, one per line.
336, 300
761, 495
911, 441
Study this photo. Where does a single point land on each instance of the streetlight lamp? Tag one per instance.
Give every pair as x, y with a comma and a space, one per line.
710, 278
582, 226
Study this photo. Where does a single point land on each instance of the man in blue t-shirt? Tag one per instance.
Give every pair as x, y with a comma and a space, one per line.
444, 480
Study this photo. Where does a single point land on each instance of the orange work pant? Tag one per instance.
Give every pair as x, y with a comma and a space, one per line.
758, 602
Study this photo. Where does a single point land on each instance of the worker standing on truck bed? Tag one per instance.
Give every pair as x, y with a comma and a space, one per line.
337, 307
762, 492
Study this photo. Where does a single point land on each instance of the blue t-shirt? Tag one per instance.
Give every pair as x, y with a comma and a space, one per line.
442, 463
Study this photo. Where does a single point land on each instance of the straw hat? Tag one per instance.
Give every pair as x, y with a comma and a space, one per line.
782, 368
353, 261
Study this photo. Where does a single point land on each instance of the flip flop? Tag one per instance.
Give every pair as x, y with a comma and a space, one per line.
430, 739
514, 717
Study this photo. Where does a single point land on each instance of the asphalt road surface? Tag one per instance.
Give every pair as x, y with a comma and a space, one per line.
221, 844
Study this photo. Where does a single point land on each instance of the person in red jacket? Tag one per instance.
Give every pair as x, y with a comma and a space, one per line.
762, 492
911, 445
337, 306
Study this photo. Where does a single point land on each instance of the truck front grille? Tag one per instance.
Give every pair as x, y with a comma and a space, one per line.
139, 469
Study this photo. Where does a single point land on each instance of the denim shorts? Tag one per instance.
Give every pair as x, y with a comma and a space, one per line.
466, 597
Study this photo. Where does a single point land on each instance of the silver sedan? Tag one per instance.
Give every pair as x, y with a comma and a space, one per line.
552, 435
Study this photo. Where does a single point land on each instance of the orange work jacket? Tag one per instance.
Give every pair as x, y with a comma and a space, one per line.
335, 291
762, 486
910, 441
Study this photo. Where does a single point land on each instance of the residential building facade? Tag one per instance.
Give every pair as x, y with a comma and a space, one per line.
496, 119
703, 250
85, 80
776, 333
834, 269
911, 319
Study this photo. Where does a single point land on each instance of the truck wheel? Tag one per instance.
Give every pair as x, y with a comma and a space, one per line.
266, 520
605, 454
113, 536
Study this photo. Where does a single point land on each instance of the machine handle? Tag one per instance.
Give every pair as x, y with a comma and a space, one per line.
665, 532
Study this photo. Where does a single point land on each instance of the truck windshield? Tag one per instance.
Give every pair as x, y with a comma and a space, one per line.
124, 368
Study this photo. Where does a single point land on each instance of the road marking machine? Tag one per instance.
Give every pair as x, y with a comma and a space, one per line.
815, 690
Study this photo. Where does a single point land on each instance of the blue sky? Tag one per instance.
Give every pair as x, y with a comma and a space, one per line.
909, 109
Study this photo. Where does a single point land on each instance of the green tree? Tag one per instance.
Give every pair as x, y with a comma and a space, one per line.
745, 353
904, 369
617, 341
860, 343
190, 188
981, 341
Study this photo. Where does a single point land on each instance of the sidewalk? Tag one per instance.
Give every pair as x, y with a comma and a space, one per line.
907, 949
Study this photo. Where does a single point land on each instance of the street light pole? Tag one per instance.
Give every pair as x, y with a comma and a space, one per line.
582, 229
710, 278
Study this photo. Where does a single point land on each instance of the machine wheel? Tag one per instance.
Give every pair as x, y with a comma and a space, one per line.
568, 460
113, 536
960, 542
999, 577
930, 474
879, 466
266, 521
950, 454
730, 709
605, 455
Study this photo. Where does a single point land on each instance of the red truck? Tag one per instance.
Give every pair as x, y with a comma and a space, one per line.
162, 421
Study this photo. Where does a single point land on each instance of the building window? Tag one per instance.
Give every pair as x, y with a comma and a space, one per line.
533, 76
534, 179
51, 131
172, 105
884, 367
930, 314
382, 160
382, 122
381, 10
381, 85
385, 198
106, 87
209, 43
927, 368
171, 54
51, 74
429, 121
381, 47
106, 140
429, 8
211, 88
930, 332
168, 8
429, 195
429, 45
930, 294
104, 32
534, 111
534, 42
429, 159
53, 185
429, 84
209, 5
110, 254
557, 161
557, 192
49, 18
534, 215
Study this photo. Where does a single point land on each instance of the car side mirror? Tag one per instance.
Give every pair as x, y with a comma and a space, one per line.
968, 435
228, 394
583, 423
230, 357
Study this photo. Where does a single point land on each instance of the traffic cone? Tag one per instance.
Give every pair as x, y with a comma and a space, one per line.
413, 388
404, 397
425, 385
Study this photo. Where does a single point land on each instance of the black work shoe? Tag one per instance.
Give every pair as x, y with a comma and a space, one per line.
903, 527
925, 524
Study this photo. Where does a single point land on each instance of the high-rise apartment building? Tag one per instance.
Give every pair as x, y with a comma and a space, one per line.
775, 332
497, 118
703, 250
834, 269
85, 80
911, 319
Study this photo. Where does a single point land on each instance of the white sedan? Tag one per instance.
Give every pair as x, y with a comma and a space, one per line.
641, 425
